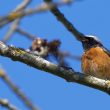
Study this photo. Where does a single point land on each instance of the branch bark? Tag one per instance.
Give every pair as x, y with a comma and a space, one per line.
15, 23
5, 103
17, 91
26, 34
37, 62
41, 8
69, 26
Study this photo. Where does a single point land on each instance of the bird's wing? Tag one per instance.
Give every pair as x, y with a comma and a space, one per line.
106, 51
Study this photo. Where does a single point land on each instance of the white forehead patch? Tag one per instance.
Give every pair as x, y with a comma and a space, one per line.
95, 37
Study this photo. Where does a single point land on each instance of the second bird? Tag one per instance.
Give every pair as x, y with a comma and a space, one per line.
96, 59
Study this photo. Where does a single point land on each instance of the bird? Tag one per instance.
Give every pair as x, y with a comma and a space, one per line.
95, 60
39, 47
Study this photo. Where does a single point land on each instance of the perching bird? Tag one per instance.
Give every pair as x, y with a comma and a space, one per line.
45, 49
40, 47
96, 58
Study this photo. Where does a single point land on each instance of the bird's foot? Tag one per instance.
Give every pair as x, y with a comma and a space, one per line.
67, 68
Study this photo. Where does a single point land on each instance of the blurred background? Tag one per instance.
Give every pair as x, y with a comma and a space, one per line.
46, 91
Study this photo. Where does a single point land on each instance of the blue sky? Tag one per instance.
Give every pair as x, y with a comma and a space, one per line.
46, 91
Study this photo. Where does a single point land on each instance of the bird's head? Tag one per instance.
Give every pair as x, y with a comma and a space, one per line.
90, 41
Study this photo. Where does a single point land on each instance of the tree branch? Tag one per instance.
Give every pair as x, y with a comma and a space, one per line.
41, 8
17, 91
69, 26
37, 62
15, 23
26, 34
5, 103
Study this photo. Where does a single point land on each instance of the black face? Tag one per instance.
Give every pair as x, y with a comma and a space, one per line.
90, 42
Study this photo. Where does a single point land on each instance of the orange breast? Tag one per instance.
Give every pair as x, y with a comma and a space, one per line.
96, 62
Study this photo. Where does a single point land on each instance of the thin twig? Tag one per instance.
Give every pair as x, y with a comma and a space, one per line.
41, 8
23, 5
15, 24
75, 57
39, 63
26, 34
16, 90
5, 103
32, 37
69, 26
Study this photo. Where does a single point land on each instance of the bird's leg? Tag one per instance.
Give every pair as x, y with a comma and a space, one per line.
67, 67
